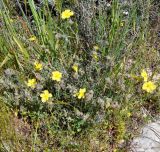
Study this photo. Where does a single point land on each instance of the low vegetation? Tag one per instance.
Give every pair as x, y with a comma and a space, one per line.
77, 76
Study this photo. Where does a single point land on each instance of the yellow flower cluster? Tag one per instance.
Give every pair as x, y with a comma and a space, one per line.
56, 76
32, 82
148, 86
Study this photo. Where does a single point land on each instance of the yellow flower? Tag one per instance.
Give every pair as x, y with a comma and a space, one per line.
81, 93
121, 24
11, 20
45, 96
149, 86
96, 47
75, 68
144, 75
56, 75
129, 114
32, 38
38, 66
95, 56
31, 83
67, 14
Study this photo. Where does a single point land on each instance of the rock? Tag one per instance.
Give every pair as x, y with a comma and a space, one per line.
149, 139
